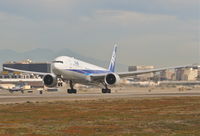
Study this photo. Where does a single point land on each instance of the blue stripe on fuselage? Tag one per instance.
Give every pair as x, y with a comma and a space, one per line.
89, 72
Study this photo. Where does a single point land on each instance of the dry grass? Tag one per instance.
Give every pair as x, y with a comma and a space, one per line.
119, 117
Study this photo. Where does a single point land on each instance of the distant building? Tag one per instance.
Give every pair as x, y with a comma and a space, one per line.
142, 77
167, 75
28, 65
198, 77
188, 74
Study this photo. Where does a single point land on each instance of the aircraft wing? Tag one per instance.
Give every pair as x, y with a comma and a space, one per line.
24, 71
140, 72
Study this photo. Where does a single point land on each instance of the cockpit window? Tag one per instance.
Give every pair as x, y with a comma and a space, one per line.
57, 61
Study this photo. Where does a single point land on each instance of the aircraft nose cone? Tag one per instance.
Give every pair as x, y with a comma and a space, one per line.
54, 67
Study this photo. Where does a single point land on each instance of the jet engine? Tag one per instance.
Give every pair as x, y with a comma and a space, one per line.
111, 79
50, 80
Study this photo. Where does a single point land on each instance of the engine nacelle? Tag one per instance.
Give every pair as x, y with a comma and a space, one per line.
111, 79
50, 80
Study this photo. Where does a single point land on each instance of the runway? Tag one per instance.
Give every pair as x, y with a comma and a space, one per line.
7, 98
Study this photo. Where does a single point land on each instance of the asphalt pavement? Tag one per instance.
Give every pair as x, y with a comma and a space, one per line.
93, 94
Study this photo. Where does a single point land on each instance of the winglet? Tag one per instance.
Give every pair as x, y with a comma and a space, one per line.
113, 59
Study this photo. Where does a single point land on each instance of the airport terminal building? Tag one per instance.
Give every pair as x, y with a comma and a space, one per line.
29, 66
43, 67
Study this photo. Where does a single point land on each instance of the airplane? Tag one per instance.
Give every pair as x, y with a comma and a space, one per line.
19, 87
73, 71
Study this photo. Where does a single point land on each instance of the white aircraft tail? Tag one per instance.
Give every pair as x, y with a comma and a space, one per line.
113, 59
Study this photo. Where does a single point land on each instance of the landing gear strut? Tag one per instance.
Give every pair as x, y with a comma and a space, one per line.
106, 90
71, 90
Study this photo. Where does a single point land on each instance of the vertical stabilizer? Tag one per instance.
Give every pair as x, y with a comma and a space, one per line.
113, 59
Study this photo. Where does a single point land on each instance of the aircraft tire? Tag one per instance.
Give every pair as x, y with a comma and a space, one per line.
74, 91
103, 91
71, 91
106, 91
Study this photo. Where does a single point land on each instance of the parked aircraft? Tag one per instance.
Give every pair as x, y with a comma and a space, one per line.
18, 87
73, 71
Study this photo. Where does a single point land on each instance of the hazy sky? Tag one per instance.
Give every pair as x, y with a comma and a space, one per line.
157, 32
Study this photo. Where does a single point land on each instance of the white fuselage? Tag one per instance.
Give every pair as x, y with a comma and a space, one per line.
72, 69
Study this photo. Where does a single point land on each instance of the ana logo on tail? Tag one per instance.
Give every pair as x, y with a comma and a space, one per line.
113, 59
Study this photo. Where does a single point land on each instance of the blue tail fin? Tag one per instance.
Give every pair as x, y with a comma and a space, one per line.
113, 59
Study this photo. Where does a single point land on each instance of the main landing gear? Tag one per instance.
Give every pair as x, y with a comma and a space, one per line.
71, 90
106, 90
74, 91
